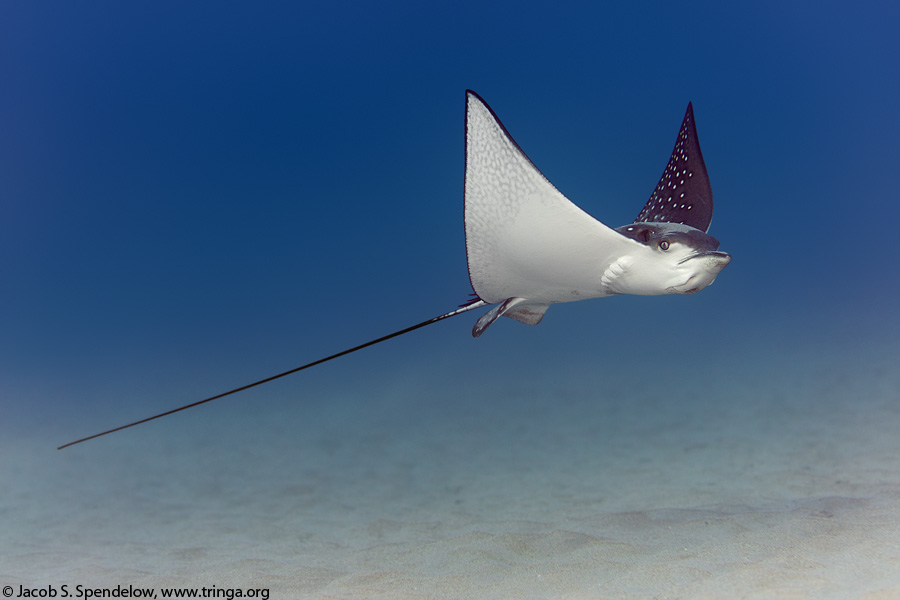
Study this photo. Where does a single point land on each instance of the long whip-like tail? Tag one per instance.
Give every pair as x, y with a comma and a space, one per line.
464, 308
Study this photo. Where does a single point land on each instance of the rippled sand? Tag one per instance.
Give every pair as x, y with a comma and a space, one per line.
772, 483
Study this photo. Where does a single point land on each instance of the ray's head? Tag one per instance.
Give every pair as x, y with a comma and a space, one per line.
678, 259
678, 256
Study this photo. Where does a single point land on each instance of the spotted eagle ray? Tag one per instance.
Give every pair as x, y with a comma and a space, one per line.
528, 246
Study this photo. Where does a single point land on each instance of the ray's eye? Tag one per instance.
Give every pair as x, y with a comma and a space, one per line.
664, 245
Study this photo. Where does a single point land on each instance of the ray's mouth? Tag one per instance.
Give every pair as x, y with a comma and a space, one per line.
703, 273
720, 258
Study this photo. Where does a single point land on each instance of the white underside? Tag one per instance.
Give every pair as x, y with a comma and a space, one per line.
523, 237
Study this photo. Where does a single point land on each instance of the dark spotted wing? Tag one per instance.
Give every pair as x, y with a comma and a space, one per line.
683, 194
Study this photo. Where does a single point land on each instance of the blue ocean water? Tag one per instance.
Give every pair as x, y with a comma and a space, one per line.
196, 197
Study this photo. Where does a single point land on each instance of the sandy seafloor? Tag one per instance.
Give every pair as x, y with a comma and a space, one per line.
778, 477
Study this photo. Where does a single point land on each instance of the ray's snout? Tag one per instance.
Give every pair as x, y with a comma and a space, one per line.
713, 260
706, 267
